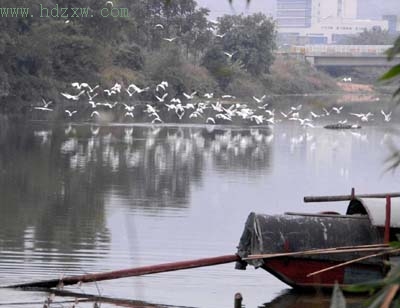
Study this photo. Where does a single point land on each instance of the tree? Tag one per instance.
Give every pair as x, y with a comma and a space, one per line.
251, 39
375, 36
217, 64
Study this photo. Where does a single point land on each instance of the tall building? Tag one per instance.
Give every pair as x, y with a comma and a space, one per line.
322, 21
293, 13
305, 13
392, 22
323, 9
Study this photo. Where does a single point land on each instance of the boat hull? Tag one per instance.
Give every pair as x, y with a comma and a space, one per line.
293, 232
294, 272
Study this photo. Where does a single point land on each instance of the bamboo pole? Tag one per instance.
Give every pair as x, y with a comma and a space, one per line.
354, 261
390, 296
138, 271
343, 249
348, 197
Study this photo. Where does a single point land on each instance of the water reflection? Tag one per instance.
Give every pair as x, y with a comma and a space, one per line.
155, 166
85, 197
56, 179
44, 205
293, 299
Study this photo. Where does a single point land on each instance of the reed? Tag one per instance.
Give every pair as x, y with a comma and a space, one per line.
333, 250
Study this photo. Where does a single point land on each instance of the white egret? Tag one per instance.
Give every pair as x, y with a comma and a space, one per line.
169, 39
190, 96
259, 100
70, 113
363, 117
73, 97
387, 116
230, 55
161, 99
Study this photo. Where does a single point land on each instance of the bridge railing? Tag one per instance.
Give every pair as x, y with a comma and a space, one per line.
341, 50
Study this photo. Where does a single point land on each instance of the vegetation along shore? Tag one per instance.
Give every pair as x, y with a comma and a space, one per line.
173, 41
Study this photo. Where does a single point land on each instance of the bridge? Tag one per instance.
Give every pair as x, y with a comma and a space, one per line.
343, 55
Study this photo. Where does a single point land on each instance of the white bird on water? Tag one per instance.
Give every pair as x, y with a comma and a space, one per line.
195, 114
157, 119
94, 113
94, 130
160, 26
259, 119
210, 119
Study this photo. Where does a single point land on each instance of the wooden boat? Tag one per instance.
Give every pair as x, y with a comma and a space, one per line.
302, 250
284, 244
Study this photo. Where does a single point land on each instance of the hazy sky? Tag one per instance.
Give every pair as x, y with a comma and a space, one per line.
221, 7
377, 8
372, 9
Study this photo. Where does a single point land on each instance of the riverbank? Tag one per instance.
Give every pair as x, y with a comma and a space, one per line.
286, 76
355, 87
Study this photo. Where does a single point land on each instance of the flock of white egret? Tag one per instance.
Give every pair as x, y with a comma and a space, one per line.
125, 102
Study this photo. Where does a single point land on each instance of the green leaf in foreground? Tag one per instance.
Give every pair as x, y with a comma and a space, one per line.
393, 72
392, 52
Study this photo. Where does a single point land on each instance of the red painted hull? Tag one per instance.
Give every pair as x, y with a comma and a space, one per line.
294, 271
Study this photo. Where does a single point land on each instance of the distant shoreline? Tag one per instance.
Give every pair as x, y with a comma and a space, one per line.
356, 87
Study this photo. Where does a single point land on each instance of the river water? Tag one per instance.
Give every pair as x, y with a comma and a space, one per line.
80, 198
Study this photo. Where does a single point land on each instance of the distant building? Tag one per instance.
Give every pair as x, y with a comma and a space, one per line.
293, 13
392, 23
322, 21
323, 9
